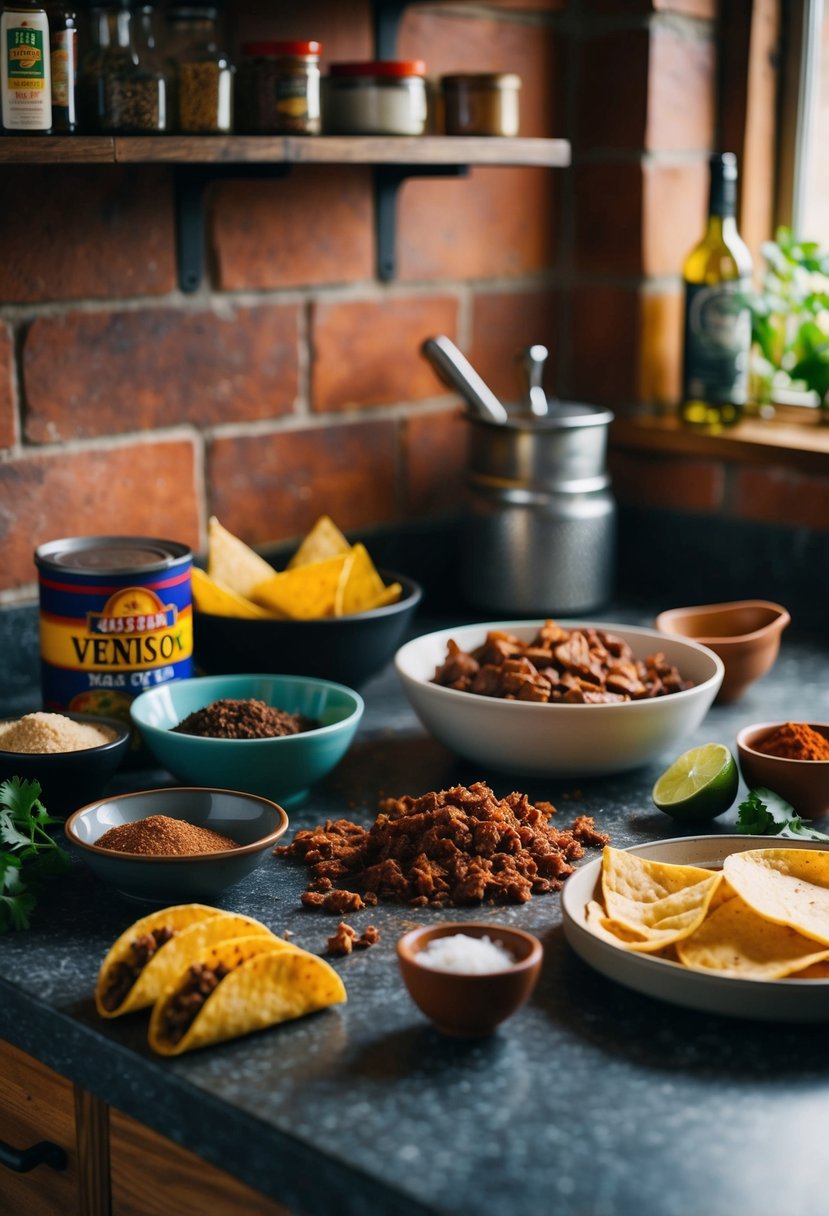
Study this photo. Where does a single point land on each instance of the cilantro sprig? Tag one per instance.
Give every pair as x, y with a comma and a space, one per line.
28, 854
764, 813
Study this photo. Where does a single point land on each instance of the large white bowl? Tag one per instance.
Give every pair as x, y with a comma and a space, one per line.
531, 739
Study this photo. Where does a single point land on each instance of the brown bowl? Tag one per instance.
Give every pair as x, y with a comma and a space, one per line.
744, 633
803, 783
464, 1004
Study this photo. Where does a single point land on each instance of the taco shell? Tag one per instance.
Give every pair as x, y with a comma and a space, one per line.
195, 928
270, 981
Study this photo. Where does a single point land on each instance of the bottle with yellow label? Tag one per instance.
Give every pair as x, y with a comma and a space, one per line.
717, 277
25, 68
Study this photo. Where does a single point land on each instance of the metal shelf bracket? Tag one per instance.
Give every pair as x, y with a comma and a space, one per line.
387, 182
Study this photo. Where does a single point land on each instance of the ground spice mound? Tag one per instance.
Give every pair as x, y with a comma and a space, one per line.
40, 732
243, 718
161, 836
795, 741
456, 847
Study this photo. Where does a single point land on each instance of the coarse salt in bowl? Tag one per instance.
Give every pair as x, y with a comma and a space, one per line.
499, 973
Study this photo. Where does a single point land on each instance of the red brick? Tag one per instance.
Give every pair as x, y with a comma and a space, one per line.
497, 223
675, 205
605, 336
272, 488
85, 233
660, 370
139, 489
612, 100
434, 463
504, 324
666, 482
452, 42
782, 496
8, 394
608, 219
682, 92
367, 352
343, 24
103, 373
313, 226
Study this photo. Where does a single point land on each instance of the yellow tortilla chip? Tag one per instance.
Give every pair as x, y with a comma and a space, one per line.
735, 940
177, 918
268, 982
216, 599
362, 588
788, 886
304, 593
233, 563
323, 541
659, 902
817, 971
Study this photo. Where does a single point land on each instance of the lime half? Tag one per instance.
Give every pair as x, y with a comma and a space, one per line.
701, 784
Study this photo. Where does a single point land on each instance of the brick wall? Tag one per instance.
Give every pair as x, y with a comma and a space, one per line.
291, 382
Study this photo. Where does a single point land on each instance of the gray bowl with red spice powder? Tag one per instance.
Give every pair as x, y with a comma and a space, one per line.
72, 756
176, 844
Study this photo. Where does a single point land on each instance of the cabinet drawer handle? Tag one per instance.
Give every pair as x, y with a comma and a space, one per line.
24, 1159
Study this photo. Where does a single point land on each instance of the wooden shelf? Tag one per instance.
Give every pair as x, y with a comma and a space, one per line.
286, 150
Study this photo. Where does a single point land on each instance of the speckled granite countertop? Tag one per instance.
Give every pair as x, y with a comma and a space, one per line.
591, 1101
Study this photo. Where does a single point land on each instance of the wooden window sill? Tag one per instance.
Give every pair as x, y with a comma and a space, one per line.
791, 439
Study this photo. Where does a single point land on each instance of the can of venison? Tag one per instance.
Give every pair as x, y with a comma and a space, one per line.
115, 618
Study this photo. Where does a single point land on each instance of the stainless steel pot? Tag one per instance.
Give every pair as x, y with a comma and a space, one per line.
539, 533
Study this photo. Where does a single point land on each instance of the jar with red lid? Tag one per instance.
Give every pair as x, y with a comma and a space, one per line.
382, 97
278, 88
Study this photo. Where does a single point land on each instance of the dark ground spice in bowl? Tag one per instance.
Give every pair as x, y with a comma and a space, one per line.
162, 836
243, 718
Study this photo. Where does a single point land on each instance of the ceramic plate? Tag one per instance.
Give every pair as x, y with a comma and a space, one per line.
769, 1000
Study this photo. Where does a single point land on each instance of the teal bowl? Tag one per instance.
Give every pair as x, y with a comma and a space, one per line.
282, 768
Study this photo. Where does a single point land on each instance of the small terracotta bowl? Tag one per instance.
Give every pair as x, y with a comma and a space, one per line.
803, 783
744, 633
462, 1004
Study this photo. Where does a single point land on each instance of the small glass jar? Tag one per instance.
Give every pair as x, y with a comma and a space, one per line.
133, 85
203, 73
481, 103
385, 97
278, 88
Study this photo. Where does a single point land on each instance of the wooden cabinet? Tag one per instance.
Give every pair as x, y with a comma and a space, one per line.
114, 1166
37, 1104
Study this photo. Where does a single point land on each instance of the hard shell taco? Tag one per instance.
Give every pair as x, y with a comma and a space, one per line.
237, 987
152, 952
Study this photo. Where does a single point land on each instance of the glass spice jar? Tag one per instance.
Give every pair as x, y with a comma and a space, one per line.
383, 97
278, 88
481, 103
134, 82
204, 73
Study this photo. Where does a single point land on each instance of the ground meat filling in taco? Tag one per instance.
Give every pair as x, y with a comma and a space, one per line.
122, 975
183, 1007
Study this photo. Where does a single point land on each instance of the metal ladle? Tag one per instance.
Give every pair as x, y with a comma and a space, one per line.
458, 373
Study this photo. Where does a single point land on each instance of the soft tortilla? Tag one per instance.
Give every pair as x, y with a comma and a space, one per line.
789, 886
195, 927
270, 981
735, 940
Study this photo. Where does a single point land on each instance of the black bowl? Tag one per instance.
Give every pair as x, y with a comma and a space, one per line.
346, 649
69, 780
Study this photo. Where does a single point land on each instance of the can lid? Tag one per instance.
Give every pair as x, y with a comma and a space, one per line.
263, 49
110, 554
380, 67
485, 80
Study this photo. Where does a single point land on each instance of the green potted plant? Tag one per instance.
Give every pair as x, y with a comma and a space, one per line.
790, 324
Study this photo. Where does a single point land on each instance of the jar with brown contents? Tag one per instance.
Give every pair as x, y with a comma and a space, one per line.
278, 89
134, 84
204, 73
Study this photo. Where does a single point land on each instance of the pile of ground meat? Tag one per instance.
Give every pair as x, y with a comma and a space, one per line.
457, 847
243, 718
572, 666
